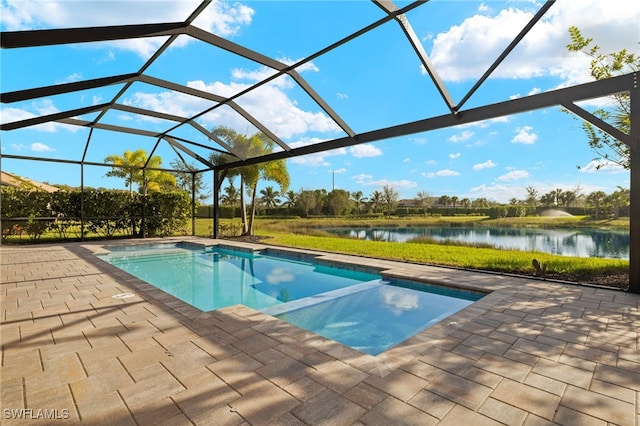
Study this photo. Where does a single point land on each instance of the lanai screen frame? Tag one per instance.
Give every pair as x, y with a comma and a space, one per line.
566, 98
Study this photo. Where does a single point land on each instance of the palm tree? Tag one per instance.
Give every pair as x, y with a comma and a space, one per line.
269, 197
454, 201
548, 199
376, 200
290, 198
255, 145
424, 202
358, 200
231, 195
131, 162
444, 200
466, 203
131, 166
390, 197
596, 198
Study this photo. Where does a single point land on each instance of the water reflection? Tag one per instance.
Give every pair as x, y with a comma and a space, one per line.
566, 242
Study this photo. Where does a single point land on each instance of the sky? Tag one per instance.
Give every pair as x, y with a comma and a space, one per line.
373, 82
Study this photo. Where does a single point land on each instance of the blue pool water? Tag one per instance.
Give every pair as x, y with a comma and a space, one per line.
379, 314
355, 308
217, 278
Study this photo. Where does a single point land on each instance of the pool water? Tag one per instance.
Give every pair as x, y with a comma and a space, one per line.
216, 278
358, 309
381, 315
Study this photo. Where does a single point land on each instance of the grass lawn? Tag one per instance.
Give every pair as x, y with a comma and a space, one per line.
304, 233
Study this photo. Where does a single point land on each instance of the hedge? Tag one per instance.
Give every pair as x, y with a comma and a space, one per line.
107, 213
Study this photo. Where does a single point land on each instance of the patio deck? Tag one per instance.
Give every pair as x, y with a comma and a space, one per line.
530, 353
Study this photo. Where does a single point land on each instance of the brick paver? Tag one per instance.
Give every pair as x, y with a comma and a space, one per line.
531, 352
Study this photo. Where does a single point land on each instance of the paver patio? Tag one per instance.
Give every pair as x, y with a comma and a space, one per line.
531, 352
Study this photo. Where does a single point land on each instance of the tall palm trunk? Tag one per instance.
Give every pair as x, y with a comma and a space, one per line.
253, 209
243, 207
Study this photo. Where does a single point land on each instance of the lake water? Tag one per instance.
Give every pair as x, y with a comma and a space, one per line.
566, 242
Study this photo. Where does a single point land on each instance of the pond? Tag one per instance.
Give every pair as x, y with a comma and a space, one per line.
580, 242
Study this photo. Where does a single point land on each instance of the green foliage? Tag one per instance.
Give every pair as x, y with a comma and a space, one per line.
31, 210
136, 167
107, 213
605, 66
167, 213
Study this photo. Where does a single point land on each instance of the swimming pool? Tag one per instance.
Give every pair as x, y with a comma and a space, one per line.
217, 277
353, 307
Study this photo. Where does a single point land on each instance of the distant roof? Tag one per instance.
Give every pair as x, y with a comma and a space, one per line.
15, 181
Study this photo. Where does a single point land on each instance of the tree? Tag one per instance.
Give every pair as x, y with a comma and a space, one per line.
358, 199
532, 196
131, 166
290, 198
454, 201
376, 200
595, 199
337, 202
424, 201
269, 197
390, 198
618, 199
444, 200
306, 201
548, 199
465, 202
186, 178
604, 66
250, 146
231, 195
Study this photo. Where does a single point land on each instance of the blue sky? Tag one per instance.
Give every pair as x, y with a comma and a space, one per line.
373, 82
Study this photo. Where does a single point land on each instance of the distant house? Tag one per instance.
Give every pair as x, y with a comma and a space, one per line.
407, 202
414, 203
15, 181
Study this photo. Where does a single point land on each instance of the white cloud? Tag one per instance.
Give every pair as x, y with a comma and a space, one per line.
524, 136
406, 160
486, 165
441, 173
418, 140
40, 147
221, 18
317, 159
365, 150
465, 135
499, 193
270, 104
603, 166
342, 95
453, 156
514, 175
367, 180
430, 162
362, 177
76, 76
10, 115
543, 51
339, 171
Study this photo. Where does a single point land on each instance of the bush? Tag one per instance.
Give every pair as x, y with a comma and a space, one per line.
107, 213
